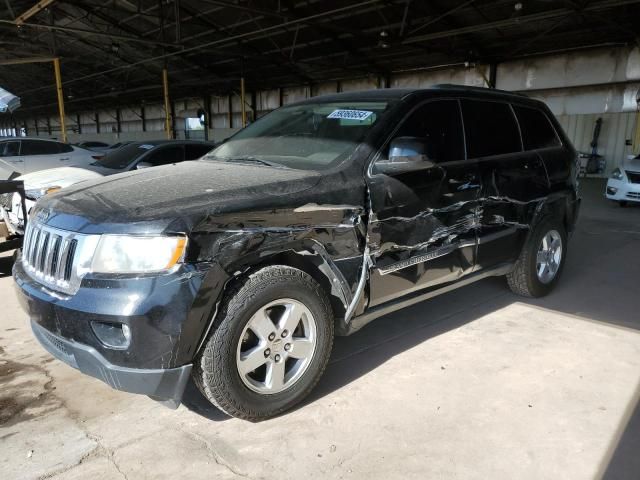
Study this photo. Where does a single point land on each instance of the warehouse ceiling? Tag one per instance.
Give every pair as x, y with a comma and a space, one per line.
112, 52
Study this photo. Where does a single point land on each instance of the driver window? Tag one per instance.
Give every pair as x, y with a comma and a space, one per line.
439, 125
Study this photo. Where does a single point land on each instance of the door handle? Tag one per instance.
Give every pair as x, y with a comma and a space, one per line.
64, 158
16, 161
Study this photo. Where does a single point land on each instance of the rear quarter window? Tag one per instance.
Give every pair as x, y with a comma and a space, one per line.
490, 128
65, 148
537, 130
193, 152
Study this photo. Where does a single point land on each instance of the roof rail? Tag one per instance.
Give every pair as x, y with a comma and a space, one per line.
477, 89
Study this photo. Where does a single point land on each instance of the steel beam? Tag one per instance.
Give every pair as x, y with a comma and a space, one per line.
92, 33
22, 61
41, 5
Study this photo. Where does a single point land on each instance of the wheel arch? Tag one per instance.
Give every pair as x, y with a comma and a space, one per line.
314, 261
308, 256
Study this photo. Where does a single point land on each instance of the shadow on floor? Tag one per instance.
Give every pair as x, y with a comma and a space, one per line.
6, 264
196, 402
623, 461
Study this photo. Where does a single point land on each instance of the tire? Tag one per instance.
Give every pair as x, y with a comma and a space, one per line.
622, 203
267, 293
525, 278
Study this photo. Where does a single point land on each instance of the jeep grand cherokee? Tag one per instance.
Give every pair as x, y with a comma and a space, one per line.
239, 269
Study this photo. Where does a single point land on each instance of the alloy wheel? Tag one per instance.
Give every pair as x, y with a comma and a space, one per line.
276, 346
549, 256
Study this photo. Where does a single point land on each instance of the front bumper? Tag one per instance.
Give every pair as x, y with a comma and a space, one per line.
165, 385
621, 190
167, 316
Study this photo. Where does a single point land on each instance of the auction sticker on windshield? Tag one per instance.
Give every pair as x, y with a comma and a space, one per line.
350, 114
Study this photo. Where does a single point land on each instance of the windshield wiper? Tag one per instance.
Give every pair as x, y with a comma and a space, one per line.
249, 158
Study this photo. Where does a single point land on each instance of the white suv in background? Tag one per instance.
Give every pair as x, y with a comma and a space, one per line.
624, 184
25, 155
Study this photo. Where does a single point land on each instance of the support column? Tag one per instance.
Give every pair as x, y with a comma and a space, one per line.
167, 108
56, 68
118, 121
143, 118
242, 103
493, 74
207, 115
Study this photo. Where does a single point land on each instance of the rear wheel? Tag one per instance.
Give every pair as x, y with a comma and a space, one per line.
269, 346
540, 264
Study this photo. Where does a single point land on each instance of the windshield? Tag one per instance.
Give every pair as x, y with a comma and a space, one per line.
306, 137
124, 156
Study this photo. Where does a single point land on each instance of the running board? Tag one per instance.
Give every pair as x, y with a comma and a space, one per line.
358, 322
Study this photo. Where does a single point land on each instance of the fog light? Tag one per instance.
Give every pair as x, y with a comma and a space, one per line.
612, 190
113, 335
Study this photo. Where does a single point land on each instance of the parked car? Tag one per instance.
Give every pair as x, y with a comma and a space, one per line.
238, 269
134, 155
624, 184
95, 146
25, 155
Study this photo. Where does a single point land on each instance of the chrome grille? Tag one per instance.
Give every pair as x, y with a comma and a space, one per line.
54, 258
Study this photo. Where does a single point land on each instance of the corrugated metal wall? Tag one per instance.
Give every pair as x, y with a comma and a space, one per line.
579, 87
616, 129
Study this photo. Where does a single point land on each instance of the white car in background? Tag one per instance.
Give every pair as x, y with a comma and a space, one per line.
19, 156
131, 156
624, 184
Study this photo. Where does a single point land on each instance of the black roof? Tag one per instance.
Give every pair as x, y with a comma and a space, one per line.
390, 94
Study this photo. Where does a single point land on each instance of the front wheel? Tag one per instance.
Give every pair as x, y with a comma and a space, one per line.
540, 264
270, 344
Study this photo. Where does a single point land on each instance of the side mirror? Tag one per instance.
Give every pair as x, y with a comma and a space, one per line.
142, 165
406, 154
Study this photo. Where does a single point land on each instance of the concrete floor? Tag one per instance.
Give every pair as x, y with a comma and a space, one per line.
477, 383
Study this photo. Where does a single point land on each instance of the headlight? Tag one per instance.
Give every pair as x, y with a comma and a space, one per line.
37, 193
128, 254
617, 174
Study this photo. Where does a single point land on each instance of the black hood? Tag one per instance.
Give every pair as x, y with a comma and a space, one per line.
185, 191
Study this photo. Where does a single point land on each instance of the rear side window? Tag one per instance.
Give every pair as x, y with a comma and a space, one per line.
537, 131
165, 156
39, 147
440, 125
490, 127
65, 148
10, 149
192, 152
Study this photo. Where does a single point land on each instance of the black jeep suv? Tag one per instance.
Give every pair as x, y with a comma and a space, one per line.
239, 268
